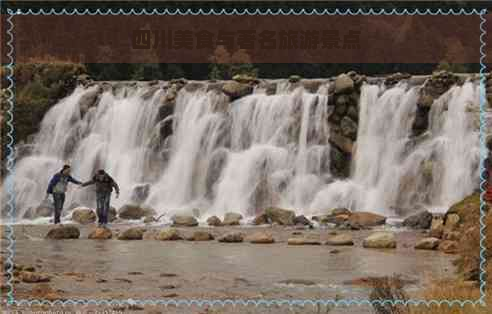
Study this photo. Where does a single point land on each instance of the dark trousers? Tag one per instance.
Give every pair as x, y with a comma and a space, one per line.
58, 199
102, 200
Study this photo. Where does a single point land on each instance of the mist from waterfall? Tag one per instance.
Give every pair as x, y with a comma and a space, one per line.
260, 150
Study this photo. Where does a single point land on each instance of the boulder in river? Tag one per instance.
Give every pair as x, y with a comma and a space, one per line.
340, 239
437, 227
184, 221
135, 233
169, 234
63, 232
427, 244
261, 238
261, 219
281, 216
84, 216
380, 240
232, 219
101, 234
131, 211
236, 90
303, 241
366, 219
421, 220
214, 221
201, 236
302, 220
231, 237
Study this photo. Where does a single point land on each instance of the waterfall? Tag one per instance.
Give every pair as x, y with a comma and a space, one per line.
257, 151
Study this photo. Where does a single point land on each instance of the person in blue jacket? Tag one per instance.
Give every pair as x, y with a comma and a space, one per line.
57, 187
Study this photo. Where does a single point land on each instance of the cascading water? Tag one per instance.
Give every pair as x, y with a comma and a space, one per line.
258, 151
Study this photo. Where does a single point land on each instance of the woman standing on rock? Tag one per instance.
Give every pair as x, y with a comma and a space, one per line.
104, 186
57, 187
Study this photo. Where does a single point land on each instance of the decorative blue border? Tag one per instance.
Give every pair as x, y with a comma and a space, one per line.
258, 302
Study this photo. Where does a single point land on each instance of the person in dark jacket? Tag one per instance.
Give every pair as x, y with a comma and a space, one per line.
57, 187
104, 186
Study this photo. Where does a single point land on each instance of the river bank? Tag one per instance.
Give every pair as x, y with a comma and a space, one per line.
163, 270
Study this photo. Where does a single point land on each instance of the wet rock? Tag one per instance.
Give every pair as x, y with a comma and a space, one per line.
135, 233
280, 216
303, 241
451, 222
101, 234
427, 244
89, 100
236, 90
232, 219
214, 221
261, 219
261, 238
31, 277
449, 247
245, 79
302, 220
343, 84
341, 239
150, 235
349, 128
380, 240
84, 216
169, 234
366, 219
131, 211
422, 220
63, 232
345, 144
201, 236
231, 237
184, 221
140, 193
437, 227
395, 78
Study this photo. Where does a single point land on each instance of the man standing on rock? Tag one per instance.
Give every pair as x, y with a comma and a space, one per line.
57, 187
104, 186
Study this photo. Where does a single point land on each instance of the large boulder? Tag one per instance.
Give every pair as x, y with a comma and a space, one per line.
169, 234
281, 216
201, 236
427, 244
451, 222
214, 221
135, 233
340, 239
32, 277
421, 220
101, 234
343, 84
232, 219
63, 232
184, 221
380, 240
231, 237
236, 90
131, 211
84, 216
302, 220
261, 238
437, 227
366, 219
